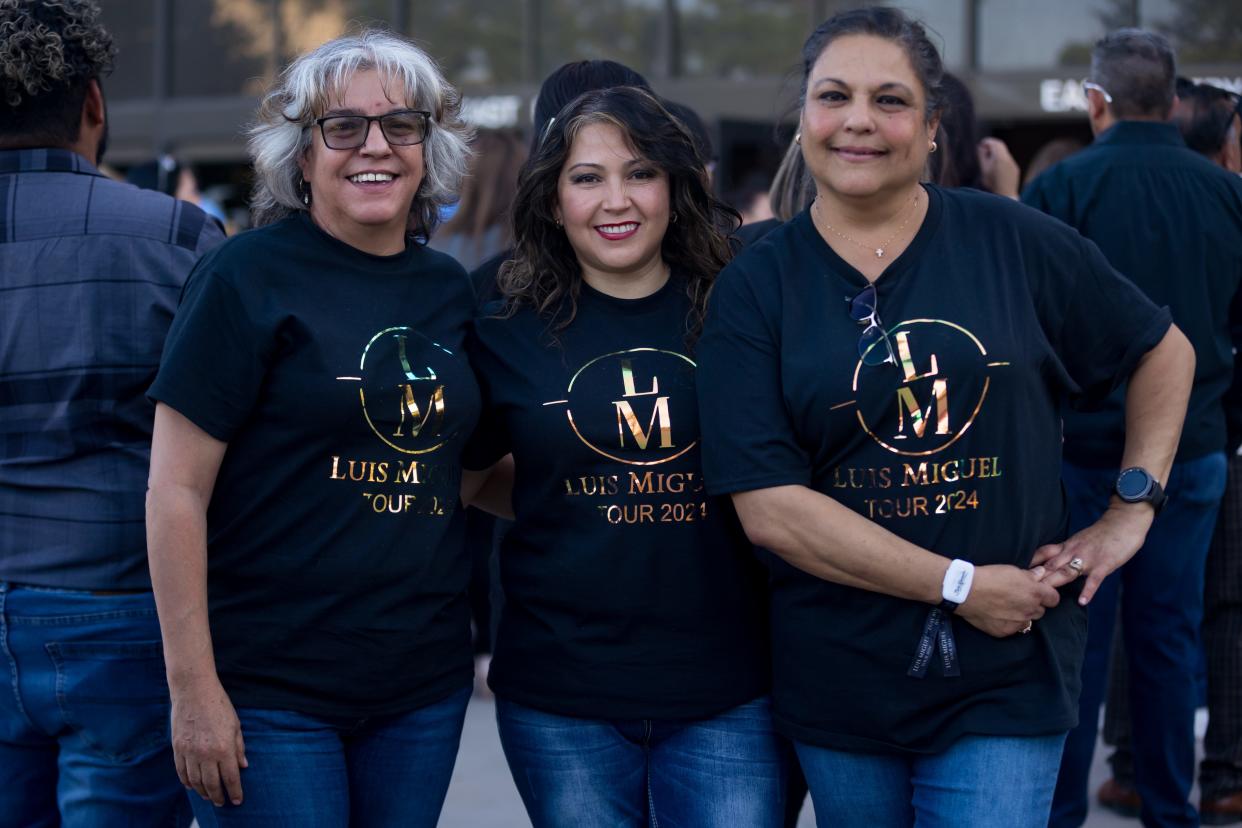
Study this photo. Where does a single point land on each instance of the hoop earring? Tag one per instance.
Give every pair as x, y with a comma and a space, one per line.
934, 146
673, 217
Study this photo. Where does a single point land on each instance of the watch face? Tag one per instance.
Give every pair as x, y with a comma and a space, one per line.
1133, 484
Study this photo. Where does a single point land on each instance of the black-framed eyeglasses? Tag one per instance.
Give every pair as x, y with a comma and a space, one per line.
403, 128
873, 345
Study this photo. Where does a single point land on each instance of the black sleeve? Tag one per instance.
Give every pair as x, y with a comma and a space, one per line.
215, 357
748, 438
483, 278
490, 441
1098, 322
1233, 397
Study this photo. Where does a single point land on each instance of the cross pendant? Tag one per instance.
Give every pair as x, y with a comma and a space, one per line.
879, 252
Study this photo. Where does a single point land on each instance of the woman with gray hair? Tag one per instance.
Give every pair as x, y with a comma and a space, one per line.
313, 401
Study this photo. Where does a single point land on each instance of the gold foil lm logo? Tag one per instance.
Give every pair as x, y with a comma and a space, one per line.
625, 412
405, 406
907, 404
632, 442
409, 404
916, 427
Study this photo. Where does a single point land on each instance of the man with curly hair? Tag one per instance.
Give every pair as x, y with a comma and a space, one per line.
90, 273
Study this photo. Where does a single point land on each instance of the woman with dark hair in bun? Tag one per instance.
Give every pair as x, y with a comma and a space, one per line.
631, 665
880, 381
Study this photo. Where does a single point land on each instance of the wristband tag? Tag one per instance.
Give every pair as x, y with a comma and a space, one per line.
937, 635
957, 581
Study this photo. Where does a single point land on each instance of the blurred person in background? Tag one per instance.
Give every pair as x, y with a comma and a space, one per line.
1210, 120
1050, 154
303, 518
1171, 221
90, 270
751, 199
965, 159
167, 175
792, 191
700, 133
879, 389
480, 227
1207, 118
631, 664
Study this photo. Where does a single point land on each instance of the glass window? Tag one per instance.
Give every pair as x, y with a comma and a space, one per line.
946, 25
627, 31
474, 41
738, 39
1202, 31
222, 47
1020, 34
132, 25
304, 24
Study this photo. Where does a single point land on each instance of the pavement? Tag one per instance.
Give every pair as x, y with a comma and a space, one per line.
482, 794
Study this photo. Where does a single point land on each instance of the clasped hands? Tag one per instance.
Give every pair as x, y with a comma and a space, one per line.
1005, 600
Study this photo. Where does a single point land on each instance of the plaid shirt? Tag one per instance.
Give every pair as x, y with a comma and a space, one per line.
90, 274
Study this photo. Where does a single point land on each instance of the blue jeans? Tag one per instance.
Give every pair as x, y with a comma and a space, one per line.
84, 712
327, 772
1161, 595
728, 770
983, 781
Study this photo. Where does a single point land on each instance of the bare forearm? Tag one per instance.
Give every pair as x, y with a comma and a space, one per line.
491, 490
1156, 402
177, 552
823, 538
1155, 408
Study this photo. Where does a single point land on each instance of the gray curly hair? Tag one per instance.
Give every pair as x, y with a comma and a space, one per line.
284, 125
49, 51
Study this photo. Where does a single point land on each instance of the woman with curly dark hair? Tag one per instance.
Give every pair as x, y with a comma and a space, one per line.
630, 664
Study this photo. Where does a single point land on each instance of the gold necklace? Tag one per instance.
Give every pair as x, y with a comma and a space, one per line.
878, 251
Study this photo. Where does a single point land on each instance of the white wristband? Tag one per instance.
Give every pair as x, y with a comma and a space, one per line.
957, 581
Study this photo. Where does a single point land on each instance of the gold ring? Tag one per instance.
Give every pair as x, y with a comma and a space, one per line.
1076, 565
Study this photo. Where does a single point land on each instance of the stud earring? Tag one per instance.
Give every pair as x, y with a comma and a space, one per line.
798, 137
934, 146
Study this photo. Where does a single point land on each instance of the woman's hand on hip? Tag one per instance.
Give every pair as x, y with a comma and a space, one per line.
1004, 599
207, 742
1098, 550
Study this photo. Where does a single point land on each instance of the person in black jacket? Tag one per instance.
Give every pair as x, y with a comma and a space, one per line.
1170, 221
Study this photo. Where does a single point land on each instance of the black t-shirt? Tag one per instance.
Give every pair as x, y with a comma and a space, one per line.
993, 313
753, 232
336, 574
484, 277
628, 592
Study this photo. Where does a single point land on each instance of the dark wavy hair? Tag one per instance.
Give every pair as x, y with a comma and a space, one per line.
50, 51
544, 272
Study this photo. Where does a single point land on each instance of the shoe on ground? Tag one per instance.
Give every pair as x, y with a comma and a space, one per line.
1119, 798
1221, 810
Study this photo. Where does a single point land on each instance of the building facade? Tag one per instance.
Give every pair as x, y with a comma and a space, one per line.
191, 71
